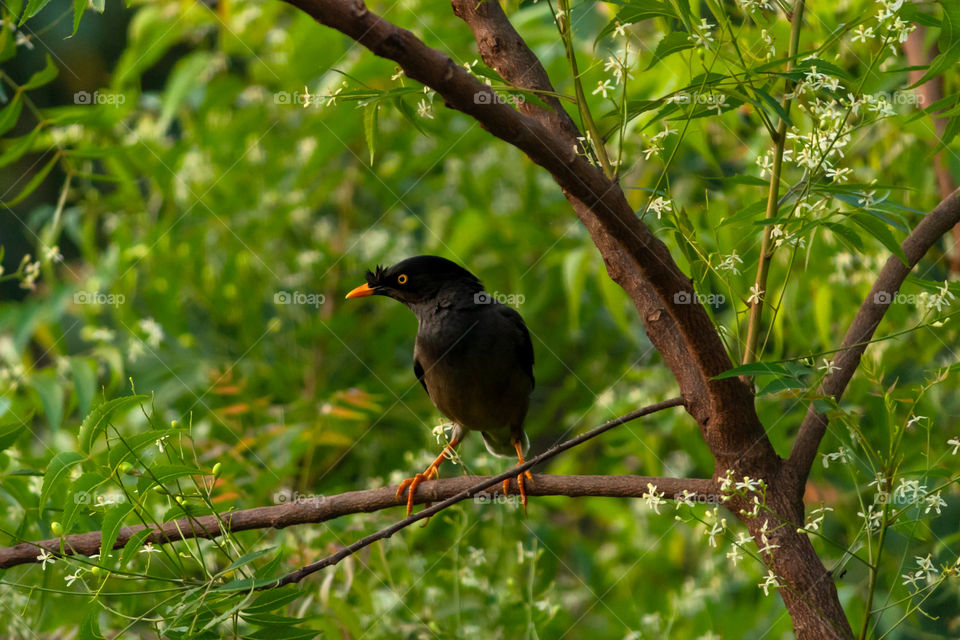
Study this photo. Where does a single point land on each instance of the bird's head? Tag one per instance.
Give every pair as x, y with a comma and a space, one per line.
419, 280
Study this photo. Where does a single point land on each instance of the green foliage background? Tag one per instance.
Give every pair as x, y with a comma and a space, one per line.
166, 210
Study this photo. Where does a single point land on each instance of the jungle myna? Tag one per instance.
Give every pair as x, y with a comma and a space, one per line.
473, 356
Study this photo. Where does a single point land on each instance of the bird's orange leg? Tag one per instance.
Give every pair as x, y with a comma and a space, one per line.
520, 481
429, 473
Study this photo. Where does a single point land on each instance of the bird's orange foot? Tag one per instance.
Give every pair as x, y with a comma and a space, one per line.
410, 485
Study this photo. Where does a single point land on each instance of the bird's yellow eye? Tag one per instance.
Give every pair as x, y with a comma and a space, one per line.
402, 278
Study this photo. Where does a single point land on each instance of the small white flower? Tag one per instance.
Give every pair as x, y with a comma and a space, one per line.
955, 443
703, 34
70, 579
828, 366
603, 88
770, 581
734, 555
425, 109
45, 557
730, 262
658, 205
756, 295
653, 498
863, 33
149, 548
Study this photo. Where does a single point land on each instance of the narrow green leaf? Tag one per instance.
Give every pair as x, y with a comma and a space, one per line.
16, 147
11, 426
42, 77
370, 126
90, 629
79, 6
82, 370
754, 369
112, 521
56, 473
133, 546
33, 8
247, 558
872, 225
97, 420
10, 114
34, 182
670, 44
47, 386
80, 497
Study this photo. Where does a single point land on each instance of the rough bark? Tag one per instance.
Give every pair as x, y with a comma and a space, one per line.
323, 508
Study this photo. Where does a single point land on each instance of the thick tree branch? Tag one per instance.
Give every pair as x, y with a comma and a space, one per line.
448, 492
634, 257
933, 226
321, 509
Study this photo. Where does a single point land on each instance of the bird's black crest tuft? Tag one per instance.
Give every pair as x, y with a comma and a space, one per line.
374, 277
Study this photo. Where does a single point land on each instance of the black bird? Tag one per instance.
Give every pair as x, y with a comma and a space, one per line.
473, 356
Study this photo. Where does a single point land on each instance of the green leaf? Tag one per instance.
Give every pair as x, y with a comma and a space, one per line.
57, 473
133, 546
48, 387
10, 114
90, 629
574, 276
754, 369
670, 44
185, 77
247, 558
130, 445
634, 12
40, 78
876, 228
780, 384
79, 6
82, 370
80, 495
273, 599
97, 421
33, 8
168, 472
16, 147
10, 425
370, 126
112, 521
34, 182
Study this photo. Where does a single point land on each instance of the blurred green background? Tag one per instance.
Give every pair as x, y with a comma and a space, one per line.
176, 187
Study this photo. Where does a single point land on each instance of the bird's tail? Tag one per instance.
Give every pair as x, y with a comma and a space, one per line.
500, 443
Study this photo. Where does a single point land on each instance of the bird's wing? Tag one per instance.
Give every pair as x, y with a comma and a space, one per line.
418, 371
524, 346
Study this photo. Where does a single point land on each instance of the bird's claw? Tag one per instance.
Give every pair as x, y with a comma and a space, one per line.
521, 486
410, 485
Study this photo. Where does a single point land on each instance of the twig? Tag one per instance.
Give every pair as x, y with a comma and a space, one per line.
323, 508
677, 486
933, 226
766, 251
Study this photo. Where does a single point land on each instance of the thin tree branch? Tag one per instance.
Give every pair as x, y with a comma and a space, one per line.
919, 56
773, 197
671, 486
933, 226
320, 509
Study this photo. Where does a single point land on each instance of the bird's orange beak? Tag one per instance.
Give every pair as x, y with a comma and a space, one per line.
362, 291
